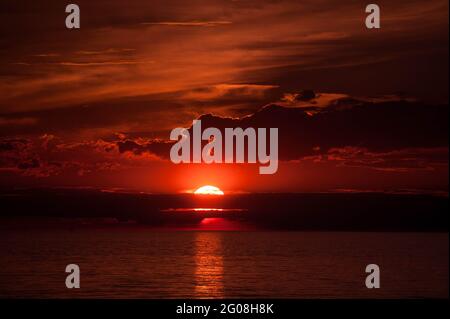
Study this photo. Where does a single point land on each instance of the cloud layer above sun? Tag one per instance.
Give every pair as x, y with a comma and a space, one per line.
397, 137
95, 106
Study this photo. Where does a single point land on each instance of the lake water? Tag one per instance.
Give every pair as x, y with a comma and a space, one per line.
140, 262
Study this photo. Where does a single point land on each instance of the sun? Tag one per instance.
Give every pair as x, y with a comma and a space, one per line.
208, 190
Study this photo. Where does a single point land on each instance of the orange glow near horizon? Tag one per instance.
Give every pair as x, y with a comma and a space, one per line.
209, 190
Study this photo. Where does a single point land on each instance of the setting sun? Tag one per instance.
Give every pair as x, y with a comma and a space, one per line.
208, 190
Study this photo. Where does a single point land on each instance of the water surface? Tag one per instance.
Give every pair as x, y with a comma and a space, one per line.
139, 262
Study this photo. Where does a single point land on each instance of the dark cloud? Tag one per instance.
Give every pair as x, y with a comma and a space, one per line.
383, 135
109, 116
32, 163
12, 144
378, 127
403, 160
159, 148
306, 95
150, 115
49, 155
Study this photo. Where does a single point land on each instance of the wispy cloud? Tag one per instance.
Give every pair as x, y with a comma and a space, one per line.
221, 51
96, 63
46, 55
106, 51
122, 62
189, 23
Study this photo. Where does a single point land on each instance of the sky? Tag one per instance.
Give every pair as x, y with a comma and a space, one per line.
357, 109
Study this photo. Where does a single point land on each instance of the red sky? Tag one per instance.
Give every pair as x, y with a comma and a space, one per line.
70, 99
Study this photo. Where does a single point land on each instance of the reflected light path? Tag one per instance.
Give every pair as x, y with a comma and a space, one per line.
209, 265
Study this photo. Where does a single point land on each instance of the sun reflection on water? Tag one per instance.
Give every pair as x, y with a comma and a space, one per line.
209, 265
